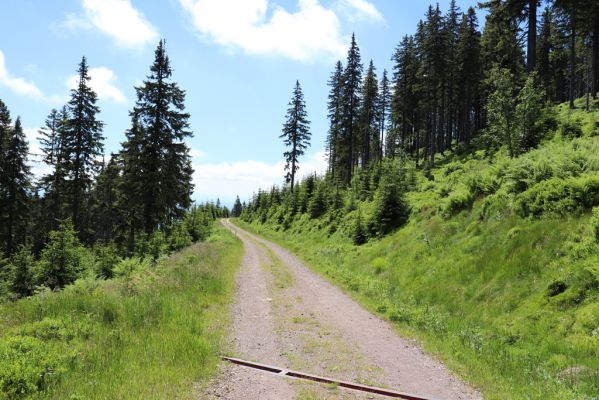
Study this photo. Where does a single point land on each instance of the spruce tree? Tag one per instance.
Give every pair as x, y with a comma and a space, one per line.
15, 185
404, 101
61, 262
106, 216
432, 49
570, 10
82, 143
237, 208
383, 113
369, 135
594, 23
451, 29
130, 186
162, 161
296, 133
52, 138
469, 76
544, 50
22, 264
526, 10
5, 134
5, 130
335, 115
500, 46
352, 85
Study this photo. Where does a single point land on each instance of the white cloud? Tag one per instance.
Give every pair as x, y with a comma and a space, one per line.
310, 32
102, 82
117, 19
360, 10
243, 178
18, 85
196, 153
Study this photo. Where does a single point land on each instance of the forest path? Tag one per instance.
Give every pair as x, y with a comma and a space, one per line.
287, 316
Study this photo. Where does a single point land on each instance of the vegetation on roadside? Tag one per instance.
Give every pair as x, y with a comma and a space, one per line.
153, 331
493, 263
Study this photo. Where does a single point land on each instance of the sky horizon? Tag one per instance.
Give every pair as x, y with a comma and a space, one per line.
237, 60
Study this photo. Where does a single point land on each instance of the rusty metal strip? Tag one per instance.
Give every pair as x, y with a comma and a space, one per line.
321, 379
250, 364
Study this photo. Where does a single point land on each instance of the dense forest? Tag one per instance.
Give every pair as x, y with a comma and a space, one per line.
453, 90
92, 211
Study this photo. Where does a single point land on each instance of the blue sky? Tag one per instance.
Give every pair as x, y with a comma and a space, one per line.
237, 60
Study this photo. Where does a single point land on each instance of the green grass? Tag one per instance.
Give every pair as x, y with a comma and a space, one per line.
497, 271
476, 294
156, 334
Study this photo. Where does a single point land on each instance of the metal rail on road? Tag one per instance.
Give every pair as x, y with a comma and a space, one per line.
321, 379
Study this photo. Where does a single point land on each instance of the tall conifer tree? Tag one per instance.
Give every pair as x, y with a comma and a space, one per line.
369, 134
469, 76
15, 184
352, 85
335, 114
383, 114
164, 162
82, 143
296, 133
52, 145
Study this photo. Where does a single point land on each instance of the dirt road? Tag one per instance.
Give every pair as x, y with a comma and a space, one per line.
287, 316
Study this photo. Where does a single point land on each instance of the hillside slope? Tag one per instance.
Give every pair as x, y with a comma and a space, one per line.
153, 332
496, 270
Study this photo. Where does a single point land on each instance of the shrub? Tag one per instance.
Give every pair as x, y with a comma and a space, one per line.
358, 233
106, 257
391, 209
459, 199
560, 196
62, 260
156, 245
556, 288
29, 365
127, 266
199, 224
317, 205
570, 129
179, 237
22, 267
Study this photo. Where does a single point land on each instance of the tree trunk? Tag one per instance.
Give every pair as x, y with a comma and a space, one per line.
531, 58
572, 55
595, 54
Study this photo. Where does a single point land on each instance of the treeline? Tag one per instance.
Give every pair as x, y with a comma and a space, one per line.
453, 88
137, 202
444, 77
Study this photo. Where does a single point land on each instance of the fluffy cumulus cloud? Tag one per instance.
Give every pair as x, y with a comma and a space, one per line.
103, 83
117, 19
261, 27
360, 10
18, 85
243, 178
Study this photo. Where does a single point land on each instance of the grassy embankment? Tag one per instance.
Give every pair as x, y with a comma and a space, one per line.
497, 271
153, 334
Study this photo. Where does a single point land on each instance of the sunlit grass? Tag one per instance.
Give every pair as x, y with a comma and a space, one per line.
476, 293
156, 334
